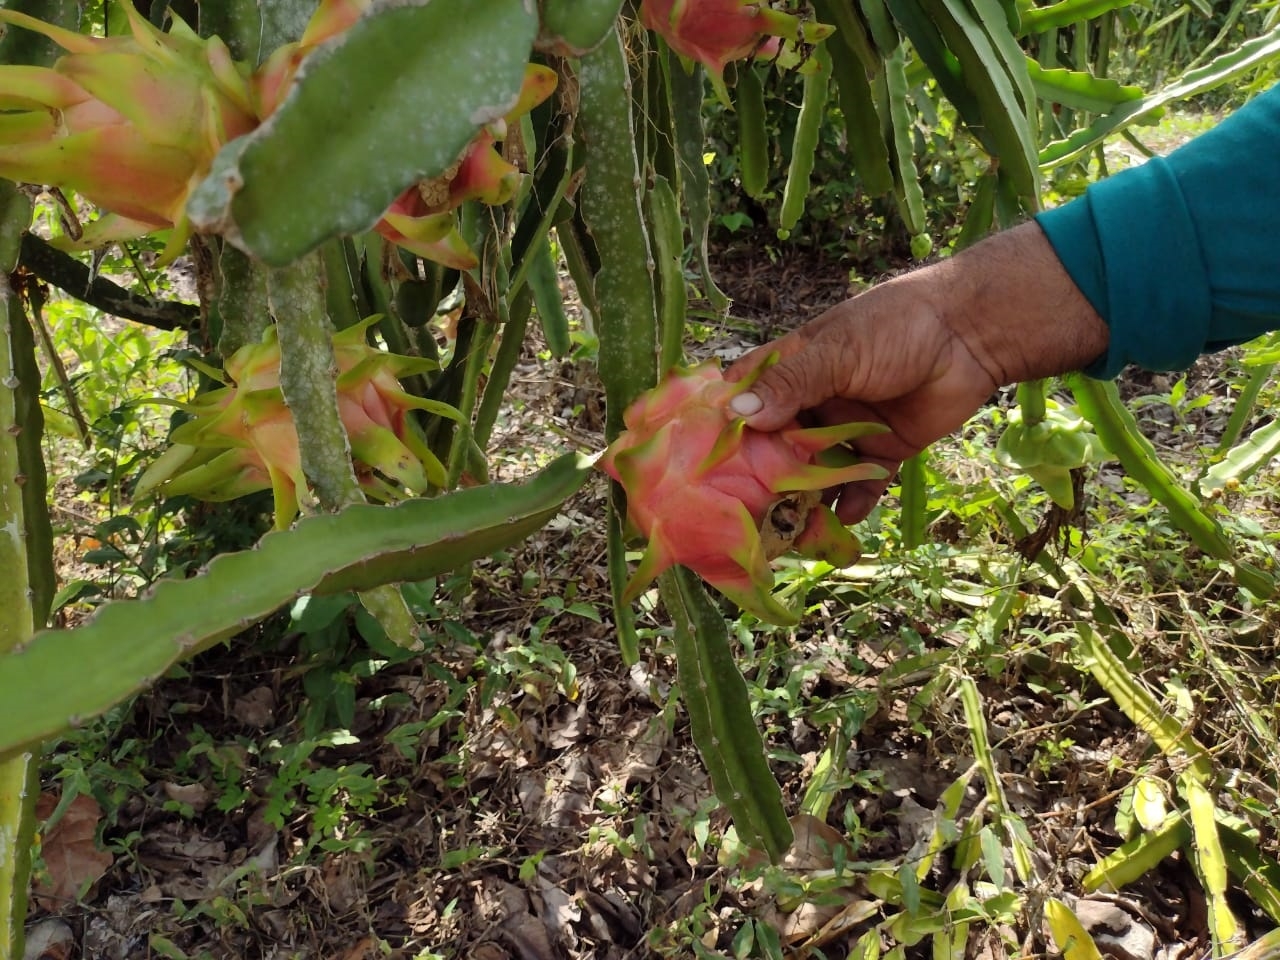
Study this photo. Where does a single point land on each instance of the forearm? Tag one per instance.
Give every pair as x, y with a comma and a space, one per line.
1011, 301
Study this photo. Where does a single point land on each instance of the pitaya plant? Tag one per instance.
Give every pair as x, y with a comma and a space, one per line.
242, 438
132, 124
129, 123
273, 80
714, 495
716, 32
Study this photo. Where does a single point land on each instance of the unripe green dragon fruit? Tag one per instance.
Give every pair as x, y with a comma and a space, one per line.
714, 495
716, 32
242, 438
130, 123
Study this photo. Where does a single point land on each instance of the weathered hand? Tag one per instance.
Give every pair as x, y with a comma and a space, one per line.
884, 356
923, 352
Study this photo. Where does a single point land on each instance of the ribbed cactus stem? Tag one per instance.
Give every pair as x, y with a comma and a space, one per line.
308, 370
18, 774
242, 300
26, 541
19, 786
307, 379
253, 29
611, 207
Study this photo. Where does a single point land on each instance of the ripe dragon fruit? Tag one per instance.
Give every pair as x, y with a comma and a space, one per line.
133, 123
242, 438
716, 32
722, 499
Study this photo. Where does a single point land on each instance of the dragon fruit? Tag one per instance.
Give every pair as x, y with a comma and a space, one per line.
716, 32
714, 495
130, 123
133, 123
242, 438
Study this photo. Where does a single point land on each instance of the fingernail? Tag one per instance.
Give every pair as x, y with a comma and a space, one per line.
746, 404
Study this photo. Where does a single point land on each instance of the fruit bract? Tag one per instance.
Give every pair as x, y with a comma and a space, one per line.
722, 499
421, 219
130, 123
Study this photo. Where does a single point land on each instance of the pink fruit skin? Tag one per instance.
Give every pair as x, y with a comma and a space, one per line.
251, 419
700, 484
712, 32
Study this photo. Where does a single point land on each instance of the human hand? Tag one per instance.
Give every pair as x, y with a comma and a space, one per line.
923, 352
885, 356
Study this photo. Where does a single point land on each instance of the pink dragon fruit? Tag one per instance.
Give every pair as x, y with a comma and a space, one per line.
716, 32
421, 219
133, 123
710, 493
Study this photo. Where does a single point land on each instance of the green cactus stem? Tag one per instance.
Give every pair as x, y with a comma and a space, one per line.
26, 539
686, 88
1100, 404
28, 47
715, 694
504, 364
571, 28
25, 557
307, 380
63, 677
611, 198
627, 315
252, 29
243, 311
1031, 397
422, 79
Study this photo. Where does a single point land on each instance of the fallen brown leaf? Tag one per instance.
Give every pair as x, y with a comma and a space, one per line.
72, 859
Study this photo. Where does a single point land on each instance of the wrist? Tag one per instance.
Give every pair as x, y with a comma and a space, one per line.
1013, 305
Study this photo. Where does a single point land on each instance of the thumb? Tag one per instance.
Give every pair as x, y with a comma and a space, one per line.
797, 382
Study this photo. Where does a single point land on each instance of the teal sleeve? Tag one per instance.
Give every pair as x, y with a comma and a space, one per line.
1180, 256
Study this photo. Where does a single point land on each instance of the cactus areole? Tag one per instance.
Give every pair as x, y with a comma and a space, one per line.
722, 499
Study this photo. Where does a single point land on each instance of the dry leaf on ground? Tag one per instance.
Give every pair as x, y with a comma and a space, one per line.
72, 859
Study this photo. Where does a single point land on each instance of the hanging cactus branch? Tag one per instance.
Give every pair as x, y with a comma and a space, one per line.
63, 677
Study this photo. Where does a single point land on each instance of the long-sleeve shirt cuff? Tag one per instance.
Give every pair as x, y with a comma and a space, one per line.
1178, 255
1131, 247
